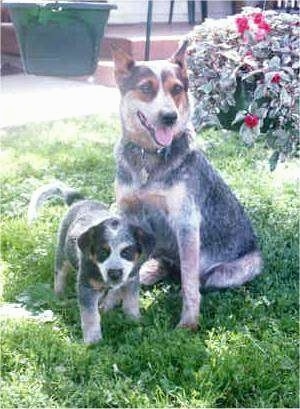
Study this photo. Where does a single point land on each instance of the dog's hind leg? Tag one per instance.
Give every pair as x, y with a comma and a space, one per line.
151, 272
62, 268
232, 274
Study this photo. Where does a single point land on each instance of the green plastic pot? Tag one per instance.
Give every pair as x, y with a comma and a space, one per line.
60, 38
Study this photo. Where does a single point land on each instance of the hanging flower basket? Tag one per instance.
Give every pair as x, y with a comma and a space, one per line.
60, 38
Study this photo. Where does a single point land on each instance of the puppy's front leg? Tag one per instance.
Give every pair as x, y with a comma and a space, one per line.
89, 314
188, 238
130, 296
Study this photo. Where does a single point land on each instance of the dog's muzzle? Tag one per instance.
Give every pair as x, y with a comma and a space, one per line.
163, 135
115, 275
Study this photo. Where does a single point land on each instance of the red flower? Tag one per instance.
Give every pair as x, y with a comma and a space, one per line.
251, 120
258, 18
276, 78
263, 25
242, 24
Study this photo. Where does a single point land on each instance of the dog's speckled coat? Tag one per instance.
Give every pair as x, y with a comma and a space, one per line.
171, 190
102, 248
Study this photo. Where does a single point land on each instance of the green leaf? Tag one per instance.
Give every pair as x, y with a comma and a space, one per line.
207, 88
285, 98
261, 112
260, 91
239, 117
248, 134
274, 63
273, 160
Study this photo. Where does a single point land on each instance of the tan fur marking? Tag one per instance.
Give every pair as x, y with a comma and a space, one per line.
169, 200
95, 284
93, 258
175, 198
181, 100
138, 94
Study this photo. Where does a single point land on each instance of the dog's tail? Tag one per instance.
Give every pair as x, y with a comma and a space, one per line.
45, 192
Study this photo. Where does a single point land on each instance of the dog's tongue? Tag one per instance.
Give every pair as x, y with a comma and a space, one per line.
164, 136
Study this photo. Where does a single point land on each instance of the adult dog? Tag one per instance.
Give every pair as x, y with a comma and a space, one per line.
172, 191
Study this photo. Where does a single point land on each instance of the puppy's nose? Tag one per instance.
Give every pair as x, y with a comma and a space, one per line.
115, 274
168, 118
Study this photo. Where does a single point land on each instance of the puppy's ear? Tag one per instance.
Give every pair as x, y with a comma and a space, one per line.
145, 241
87, 240
179, 56
124, 63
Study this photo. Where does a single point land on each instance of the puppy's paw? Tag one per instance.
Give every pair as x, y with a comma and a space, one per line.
59, 292
112, 299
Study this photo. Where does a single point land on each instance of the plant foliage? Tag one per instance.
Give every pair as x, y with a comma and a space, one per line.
244, 73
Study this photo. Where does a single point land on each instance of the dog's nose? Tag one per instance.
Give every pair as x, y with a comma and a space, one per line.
168, 118
115, 274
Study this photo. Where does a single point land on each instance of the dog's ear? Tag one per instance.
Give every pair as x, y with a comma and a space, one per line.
124, 63
179, 56
145, 241
87, 240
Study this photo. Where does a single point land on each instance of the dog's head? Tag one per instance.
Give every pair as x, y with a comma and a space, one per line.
115, 248
154, 100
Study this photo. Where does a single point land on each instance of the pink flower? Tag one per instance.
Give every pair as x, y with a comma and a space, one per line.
249, 53
251, 120
258, 18
263, 25
276, 78
260, 35
242, 24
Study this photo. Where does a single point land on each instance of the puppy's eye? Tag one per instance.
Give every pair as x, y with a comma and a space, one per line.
128, 253
177, 89
103, 254
146, 88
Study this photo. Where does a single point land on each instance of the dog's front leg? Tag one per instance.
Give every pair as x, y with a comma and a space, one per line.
188, 240
89, 314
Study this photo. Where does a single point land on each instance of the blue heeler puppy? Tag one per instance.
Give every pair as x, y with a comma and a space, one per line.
170, 189
102, 248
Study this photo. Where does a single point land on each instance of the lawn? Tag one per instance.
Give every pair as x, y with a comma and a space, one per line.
245, 353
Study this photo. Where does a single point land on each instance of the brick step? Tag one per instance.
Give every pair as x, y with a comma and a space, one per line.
131, 38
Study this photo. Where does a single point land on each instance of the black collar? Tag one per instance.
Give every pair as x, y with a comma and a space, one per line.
178, 146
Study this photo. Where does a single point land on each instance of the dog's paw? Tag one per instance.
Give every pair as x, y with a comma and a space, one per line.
151, 272
192, 326
92, 338
133, 315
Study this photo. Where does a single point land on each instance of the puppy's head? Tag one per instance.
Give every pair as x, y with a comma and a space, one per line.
154, 104
114, 248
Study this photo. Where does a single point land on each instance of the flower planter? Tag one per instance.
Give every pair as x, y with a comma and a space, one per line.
60, 38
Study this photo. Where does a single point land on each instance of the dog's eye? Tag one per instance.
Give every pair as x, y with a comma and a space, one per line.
177, 89
128, 253
103, 254
146, 88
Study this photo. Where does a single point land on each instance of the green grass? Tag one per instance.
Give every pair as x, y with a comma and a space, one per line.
245, 353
